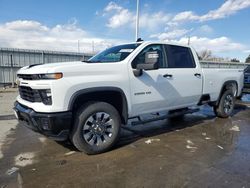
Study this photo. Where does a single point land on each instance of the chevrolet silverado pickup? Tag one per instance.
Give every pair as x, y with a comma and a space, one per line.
87, 102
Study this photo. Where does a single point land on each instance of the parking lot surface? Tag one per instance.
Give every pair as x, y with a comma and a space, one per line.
199, 150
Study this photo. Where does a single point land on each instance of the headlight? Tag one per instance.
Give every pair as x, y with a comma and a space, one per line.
50, 76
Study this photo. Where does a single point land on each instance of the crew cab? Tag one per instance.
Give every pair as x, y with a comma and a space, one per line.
87, 102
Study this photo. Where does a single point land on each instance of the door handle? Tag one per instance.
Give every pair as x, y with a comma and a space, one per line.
197, 74
167, 75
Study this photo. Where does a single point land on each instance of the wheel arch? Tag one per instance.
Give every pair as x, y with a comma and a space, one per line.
227, 85
112, 95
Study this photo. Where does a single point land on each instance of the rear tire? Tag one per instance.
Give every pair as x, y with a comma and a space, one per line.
226, 105
96, 128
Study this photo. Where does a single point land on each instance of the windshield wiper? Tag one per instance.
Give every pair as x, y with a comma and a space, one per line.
92, 61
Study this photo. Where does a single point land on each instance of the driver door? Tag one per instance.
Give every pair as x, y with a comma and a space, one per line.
150, 92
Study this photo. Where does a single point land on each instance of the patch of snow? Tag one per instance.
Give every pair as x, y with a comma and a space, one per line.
24, 159
149, 141
189, 142
42, 139
207, 138
69, 153
191, 148
204, 134
12, 170
220, 147
235, 128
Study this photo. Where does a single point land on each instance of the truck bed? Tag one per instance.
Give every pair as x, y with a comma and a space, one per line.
223, 65
224, 71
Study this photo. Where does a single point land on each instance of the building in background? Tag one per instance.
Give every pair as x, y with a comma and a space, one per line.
12, 59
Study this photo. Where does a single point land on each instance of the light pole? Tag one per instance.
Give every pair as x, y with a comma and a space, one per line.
137, 21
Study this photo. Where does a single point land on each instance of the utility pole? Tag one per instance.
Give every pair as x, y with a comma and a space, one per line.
137, 21
188, 40
93, 47
78, 45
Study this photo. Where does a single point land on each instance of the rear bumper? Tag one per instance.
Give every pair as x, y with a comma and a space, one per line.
53, 125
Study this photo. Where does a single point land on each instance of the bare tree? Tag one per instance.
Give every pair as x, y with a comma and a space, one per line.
235, 60
205, 54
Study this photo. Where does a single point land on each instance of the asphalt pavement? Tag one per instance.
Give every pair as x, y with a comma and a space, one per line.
199, 150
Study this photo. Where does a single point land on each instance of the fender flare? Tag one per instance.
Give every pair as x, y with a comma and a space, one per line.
223, 86
74, 97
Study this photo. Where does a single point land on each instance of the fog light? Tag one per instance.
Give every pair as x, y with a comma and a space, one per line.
46, 96
45, 124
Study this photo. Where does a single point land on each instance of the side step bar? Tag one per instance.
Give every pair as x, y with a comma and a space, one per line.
169, 115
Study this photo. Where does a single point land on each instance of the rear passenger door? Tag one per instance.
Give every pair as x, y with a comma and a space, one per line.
185, 76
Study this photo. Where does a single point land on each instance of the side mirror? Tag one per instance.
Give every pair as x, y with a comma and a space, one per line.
151, 61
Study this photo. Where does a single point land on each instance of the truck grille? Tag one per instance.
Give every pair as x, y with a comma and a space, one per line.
29, 94
25, 76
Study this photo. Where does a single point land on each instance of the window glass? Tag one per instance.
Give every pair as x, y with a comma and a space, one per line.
114, 54
151, 48
179, 57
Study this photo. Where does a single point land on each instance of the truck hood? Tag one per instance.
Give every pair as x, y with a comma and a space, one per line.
47, 68
75, 68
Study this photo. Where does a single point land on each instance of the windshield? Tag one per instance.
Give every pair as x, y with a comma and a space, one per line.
114, 54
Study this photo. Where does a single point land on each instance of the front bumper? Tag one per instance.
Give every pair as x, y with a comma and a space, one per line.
53, 125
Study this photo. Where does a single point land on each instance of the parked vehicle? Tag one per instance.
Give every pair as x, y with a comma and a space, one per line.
87, 102
246, 88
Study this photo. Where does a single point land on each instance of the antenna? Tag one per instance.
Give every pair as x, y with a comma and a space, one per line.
137, 21
188, 40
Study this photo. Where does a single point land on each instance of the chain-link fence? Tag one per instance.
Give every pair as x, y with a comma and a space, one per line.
12, 59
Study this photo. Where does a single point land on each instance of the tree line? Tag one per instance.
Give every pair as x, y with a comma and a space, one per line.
207, 55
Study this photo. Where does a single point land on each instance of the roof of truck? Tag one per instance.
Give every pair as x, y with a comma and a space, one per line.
159, 42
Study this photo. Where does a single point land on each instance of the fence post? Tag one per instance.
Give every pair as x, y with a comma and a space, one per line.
12, 71
42, 57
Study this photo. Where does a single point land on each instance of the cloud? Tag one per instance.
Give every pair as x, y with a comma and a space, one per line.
217, 45
35, 35
120, 16
154, 21
247, 51
205, 29
113, 6
184, 16
228, 8
177, 33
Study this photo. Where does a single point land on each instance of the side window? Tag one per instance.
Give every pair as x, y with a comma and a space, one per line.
140, 58
179, 57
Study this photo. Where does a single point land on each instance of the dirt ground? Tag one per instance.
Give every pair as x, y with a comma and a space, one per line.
199, 150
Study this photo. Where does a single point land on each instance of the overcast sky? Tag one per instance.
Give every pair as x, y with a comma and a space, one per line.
217, 25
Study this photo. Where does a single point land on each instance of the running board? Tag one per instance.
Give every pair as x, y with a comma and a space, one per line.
170, 115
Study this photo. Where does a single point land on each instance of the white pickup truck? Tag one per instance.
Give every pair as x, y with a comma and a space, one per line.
87, 102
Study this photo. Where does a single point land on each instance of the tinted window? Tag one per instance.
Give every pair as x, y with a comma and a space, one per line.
179, 57
140, 58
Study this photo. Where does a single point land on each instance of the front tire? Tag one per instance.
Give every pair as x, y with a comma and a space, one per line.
226, 105
96, 128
